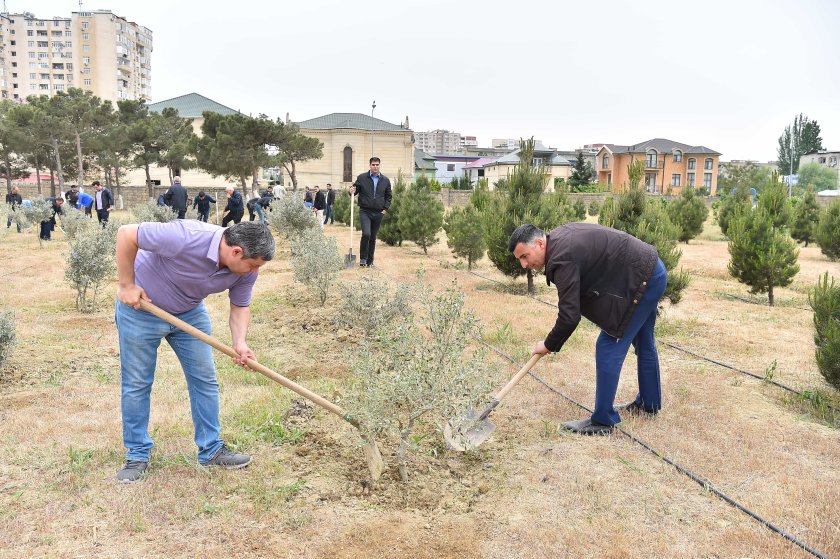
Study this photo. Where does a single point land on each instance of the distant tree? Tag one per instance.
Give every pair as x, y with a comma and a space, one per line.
390, 232
465, 234
594, 208
775, 200
13, 143
579, 209
420, 214
293, 147
745, 176
802, 137
177, 143
47, 129
762, 256
688, 212
581, 175
827, 231
818, 177
806, 216
734, 205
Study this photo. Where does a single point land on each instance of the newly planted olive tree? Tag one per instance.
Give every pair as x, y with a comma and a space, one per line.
7, 335
91, 261
41, 211
316, 261
418, 372
151, 212
290, 218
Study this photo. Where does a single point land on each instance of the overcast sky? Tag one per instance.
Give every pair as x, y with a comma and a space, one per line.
729, 75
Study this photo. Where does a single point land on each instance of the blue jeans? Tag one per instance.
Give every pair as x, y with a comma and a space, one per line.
610, 353
328, 216
140, 334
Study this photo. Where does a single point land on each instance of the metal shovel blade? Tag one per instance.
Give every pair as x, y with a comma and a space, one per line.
467, 431
350, 260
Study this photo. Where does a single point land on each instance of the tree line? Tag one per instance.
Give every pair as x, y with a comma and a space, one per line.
75, 135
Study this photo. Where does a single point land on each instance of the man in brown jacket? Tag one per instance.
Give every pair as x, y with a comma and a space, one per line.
615, 280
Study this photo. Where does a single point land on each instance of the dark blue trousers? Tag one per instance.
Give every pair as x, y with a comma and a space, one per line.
611, 352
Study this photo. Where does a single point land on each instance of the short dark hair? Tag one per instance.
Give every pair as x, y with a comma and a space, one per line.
96, 183
201, 193
372, 159
328, 184
253, 238
525, 234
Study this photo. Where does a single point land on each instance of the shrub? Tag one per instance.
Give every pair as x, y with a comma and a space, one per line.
419, 372
74, 221
825, 301
806, 215
775, 201
290, 218
91, 260
420, 215
341, 209
465, 234
389, 231
688, 212
153, 213
7, 335
579, 209
41, 210
761, 256
373, 303
594, 208
735, 205
316, 260
827, 232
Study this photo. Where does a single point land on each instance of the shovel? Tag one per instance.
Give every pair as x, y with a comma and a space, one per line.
350, 258
472, 428
372, 454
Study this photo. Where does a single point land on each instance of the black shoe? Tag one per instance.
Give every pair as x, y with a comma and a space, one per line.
587, 427
228, 459
132, 471
635, 408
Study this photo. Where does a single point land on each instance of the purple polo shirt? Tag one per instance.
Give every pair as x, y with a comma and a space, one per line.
178, 266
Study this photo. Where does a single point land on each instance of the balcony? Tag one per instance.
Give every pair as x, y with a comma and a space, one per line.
651, 164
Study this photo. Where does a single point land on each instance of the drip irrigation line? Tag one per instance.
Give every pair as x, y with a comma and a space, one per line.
17, 271
704, 483
750, 301
742, 371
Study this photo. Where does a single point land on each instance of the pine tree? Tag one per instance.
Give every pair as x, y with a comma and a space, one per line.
805, 218
519, 199
827, 232
761, 255
579, 209
825, 301
581, 175
688, 212
734, 205
389, 231
594, 208
420, 215
465, 234
775, 200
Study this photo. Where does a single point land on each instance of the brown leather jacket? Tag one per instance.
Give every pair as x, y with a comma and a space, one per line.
600, 273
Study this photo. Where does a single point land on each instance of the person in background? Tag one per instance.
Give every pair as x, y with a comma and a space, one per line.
14, 200
374, 191
235, 208
176, 198
103, 203
319, 205
85, 200
48, 225
202, 205
330, 199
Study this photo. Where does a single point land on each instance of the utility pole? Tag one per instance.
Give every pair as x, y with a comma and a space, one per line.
790, 177
372, 131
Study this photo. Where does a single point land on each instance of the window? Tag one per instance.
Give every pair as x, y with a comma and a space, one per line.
45, 76
85, 25
57, 33
30, 44
538, 161
86, 36
30, 33
707, 165
58, 76
88, 82
348, 164
69, 66
32, 76
58, 66
43, 65
43, 55
450, 167
44, 86
68, 33
609, 178
605, 162
86, 70
85, 60
677, 156
68, 44
822, 160
32, 54
85, 48
692, 164
675, 179
707, 180
832, 161
59, 87
691, 179
650, 159
650, 182
13, 43
33, 65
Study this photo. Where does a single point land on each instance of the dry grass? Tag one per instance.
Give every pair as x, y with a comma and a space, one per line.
530, 491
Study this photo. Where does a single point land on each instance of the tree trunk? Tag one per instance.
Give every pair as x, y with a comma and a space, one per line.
149, 181
254, 182
8, 172
79, 157
243, 180
530, 282
59, 171
38, 174
770, 294
52, 182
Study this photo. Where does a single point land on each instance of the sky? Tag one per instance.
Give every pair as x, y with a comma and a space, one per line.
728, 75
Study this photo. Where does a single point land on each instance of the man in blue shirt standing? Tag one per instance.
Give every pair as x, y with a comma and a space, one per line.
374, 190
176, 265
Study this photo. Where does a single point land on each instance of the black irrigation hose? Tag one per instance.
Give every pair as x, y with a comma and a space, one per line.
750, 301
742, 371
705, 484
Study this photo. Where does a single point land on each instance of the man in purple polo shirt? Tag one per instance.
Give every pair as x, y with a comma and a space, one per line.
176, 265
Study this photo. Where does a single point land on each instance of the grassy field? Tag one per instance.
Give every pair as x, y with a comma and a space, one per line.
532, 491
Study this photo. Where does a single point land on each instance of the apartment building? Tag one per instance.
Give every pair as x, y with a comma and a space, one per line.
826, 158
94, 50
669, 166
439, 142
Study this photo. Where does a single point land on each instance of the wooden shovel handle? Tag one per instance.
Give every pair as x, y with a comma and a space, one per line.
262, 369
518, 376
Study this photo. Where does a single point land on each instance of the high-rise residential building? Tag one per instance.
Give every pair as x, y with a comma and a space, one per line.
439, 142
96, 50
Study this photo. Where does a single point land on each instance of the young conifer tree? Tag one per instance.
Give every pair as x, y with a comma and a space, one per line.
805, 218
390, 232
688, 212
465, 234
420, 214
827, 232
825, 301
